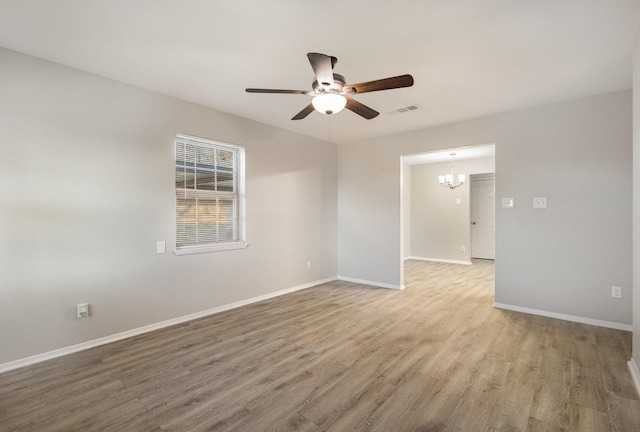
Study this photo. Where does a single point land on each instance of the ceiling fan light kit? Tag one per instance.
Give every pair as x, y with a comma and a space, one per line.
330, 92
329, 103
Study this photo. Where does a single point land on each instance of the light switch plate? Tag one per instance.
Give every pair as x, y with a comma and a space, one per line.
540, 202
508, 203
161, 247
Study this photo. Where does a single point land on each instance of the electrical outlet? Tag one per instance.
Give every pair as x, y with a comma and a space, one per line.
540, 202
308, 265
82, 310
616, 292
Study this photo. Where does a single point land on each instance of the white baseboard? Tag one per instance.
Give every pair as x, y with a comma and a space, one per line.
372, 283
440, 260
565, 317
635, 374
5, 367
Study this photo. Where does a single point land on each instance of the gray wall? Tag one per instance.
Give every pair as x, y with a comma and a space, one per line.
87, 166
636, 204
563, 259
439, 226
88, 188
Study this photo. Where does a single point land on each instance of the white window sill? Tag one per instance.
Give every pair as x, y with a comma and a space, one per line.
211, 248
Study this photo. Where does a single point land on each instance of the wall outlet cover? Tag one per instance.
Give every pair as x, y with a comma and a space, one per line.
82, 310
616, 292
540, 202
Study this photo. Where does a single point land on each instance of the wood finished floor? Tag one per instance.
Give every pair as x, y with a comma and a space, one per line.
343, 357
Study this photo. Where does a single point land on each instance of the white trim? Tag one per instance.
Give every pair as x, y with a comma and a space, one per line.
214, 247
372, 283
635, 374
482, 176
565, 317
439, 260
5, 367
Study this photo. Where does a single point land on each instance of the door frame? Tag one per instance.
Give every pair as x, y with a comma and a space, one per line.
405, 201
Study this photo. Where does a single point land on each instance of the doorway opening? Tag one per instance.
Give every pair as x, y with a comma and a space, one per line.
436, 221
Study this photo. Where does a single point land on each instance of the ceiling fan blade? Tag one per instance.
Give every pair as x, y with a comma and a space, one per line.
361, 109
305, 112
323, 67
381, 84
256, 90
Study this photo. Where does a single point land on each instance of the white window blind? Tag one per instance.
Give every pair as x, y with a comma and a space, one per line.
209, 195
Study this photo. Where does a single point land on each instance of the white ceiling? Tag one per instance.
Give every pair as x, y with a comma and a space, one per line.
469, 58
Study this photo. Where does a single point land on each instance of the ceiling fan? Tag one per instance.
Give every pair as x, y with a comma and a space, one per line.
331, 93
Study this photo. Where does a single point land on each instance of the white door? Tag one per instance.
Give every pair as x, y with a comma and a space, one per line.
483, 218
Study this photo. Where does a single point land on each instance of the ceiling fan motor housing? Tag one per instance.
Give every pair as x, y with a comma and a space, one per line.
338, 83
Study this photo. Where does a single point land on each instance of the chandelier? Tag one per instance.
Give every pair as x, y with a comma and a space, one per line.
447, 179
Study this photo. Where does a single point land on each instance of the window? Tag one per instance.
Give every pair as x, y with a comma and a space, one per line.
209, 196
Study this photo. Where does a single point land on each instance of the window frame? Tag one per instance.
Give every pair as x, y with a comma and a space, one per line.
239, 195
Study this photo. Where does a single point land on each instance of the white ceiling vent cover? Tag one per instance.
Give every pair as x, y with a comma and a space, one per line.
404, 109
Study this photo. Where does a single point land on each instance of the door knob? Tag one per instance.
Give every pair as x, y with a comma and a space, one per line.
473, 223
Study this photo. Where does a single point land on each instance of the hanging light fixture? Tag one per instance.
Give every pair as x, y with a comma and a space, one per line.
329, 103
447, 179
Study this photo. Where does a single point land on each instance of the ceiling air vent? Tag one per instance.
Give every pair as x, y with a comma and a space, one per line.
404, 109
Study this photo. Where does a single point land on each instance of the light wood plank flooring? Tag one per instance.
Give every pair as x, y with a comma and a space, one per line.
343, 357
